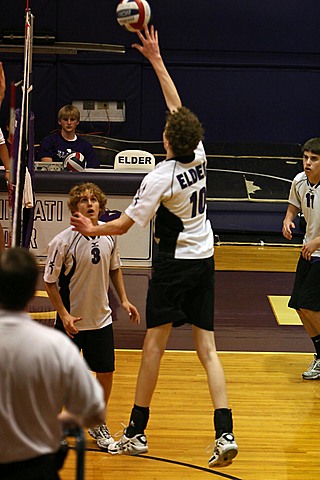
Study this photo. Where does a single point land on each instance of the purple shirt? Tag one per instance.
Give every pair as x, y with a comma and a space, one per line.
57, 148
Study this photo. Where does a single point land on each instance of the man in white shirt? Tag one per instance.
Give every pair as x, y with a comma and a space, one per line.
41, 374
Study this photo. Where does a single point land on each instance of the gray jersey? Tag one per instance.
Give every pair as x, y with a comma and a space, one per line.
307, 198
80, 265
176, 193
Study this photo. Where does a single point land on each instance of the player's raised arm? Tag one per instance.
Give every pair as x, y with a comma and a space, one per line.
149, 48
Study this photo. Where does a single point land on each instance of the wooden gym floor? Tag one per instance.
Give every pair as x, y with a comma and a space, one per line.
276, 413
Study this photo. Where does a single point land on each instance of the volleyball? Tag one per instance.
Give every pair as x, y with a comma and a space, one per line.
74, 161
133, 14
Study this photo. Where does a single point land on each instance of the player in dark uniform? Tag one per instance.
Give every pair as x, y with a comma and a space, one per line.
305, 197
57, 146
182, 286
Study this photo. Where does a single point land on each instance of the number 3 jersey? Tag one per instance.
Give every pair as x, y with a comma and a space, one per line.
176, 193
80, 266
306, 197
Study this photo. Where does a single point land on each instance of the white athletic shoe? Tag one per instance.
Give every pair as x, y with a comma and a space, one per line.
313, 372
101, 432
225, 450
127, 446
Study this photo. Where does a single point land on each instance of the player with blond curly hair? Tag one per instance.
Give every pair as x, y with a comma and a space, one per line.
76, 277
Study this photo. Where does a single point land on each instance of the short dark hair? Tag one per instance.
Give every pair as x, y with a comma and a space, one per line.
18, 278
312, 145
183, 131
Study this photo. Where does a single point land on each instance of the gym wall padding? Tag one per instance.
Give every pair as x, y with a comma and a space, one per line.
250, 69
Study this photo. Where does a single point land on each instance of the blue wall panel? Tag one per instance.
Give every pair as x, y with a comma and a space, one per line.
249, 69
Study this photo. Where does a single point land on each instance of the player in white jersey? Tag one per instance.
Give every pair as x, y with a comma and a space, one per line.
305, 197
182, 286
76, 277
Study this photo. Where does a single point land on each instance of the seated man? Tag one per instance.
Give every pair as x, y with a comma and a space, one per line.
57, 146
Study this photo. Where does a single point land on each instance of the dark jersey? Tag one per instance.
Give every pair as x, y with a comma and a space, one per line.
56, 147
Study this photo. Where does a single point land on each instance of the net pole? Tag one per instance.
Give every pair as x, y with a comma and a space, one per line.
23, 147
11, 185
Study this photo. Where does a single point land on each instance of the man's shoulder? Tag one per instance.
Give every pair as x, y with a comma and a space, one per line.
52, 339
52, 138
63, 237
300, 177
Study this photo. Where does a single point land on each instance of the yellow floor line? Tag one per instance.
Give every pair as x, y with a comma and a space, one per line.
284, 315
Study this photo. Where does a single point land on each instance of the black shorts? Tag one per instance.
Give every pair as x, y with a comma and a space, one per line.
181, 291
306, 289
97, 347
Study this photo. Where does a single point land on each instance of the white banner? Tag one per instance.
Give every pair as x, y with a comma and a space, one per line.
52, 215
